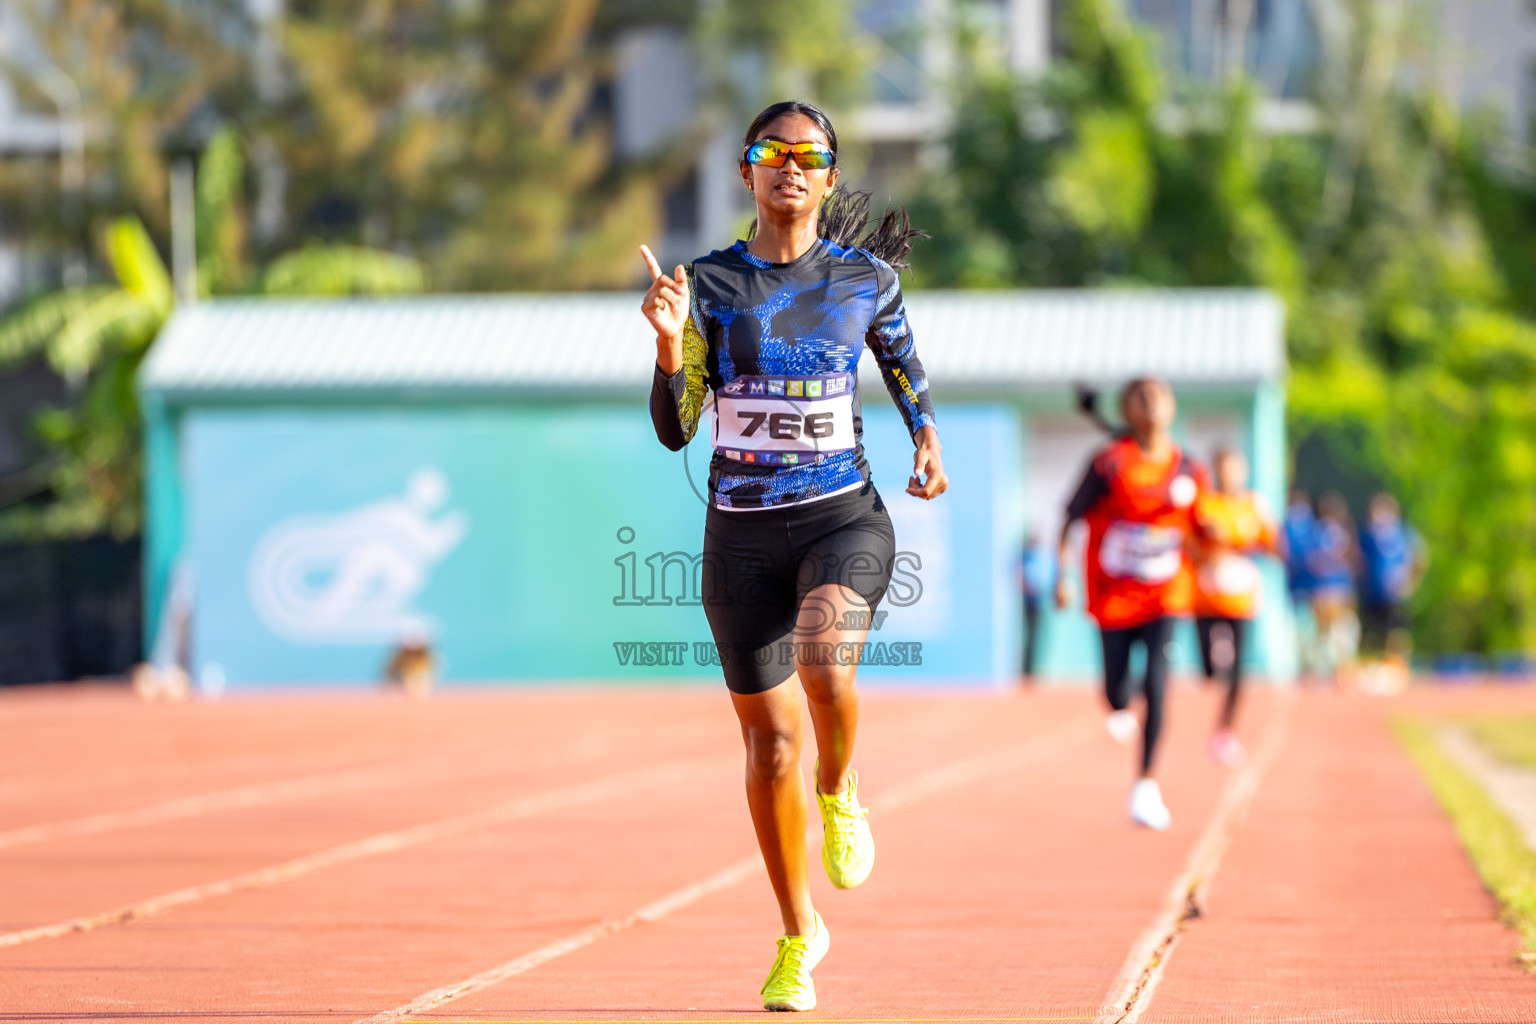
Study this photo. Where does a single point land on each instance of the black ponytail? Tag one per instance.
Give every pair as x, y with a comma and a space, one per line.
844, 213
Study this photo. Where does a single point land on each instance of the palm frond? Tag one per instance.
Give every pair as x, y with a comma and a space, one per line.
117, 320
27, 330
138, 264
343, 270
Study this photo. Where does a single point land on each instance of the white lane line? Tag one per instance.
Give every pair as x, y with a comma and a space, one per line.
904, 794
562, 798
253, 795
1511, 787
261, 794
723, 879
1132, 990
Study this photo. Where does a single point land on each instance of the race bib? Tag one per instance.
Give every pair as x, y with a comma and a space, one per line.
1230, 575
784, 421
1141, 552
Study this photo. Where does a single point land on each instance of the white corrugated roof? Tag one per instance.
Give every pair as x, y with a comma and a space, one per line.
501, 343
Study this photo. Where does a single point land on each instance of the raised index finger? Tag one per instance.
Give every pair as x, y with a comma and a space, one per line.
650, 262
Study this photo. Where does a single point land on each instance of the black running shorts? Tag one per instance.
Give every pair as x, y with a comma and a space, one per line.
760, 563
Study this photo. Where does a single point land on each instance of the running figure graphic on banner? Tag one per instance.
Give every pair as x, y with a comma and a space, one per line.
350, 578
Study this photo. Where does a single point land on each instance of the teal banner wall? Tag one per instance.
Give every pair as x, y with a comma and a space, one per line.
523, 540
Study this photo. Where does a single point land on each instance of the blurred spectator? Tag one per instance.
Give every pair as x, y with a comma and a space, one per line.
1296, 533
1392, 562
1296, 537
412, 665
1037, 575
1332, 563
1232, 524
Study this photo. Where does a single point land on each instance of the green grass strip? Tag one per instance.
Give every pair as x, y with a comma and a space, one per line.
1510, 739
1506, 864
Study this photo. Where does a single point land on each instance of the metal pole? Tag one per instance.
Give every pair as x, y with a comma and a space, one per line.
61, 89
1029, 36
183, 231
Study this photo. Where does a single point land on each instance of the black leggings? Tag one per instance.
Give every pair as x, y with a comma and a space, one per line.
1154, 637
1209, 629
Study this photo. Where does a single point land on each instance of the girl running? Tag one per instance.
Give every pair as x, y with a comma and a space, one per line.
1137, 497
1333, 559
797, 543
1232, 524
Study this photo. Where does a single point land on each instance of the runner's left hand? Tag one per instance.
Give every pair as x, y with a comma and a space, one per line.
928, 477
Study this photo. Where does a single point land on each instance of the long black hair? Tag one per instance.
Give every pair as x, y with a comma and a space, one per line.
844, 212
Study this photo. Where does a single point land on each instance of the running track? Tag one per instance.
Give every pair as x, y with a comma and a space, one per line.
586, 856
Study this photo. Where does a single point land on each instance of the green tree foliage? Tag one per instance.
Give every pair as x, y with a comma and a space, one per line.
1399, 236
366, 144
465, 134
95, 336
756, 53
140, 70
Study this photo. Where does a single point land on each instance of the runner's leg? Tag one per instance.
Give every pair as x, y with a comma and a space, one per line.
1204, 625
771, 726
1154, 635
1239, 629
1325, 614
1031, 636
749, 599
1117, 666
828, 676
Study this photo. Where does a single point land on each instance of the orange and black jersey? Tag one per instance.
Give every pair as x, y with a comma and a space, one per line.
1230, 529
1139, 513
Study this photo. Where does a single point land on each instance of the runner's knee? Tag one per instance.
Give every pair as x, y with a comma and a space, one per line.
773, 753
827, 683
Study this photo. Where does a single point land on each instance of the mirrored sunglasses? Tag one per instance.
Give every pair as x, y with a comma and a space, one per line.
809, 156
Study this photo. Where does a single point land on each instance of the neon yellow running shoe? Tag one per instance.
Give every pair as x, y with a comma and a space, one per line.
847, 848
789, 985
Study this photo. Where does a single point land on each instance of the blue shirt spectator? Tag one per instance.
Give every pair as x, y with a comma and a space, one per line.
1331, 556
1297, 530
1389, 554
1039, 572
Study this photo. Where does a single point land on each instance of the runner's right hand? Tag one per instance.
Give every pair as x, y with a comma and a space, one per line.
1063, 593
666, 301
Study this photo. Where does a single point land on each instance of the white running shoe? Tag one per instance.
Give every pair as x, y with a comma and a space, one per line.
1121, 726
1147, 807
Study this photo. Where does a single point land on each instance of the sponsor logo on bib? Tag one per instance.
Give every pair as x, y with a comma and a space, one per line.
1141, 552
813, 418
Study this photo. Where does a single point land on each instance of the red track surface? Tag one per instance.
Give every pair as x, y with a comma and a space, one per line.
1008, 885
